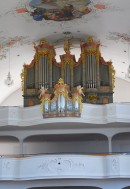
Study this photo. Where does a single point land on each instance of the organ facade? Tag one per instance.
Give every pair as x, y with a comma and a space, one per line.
91, 71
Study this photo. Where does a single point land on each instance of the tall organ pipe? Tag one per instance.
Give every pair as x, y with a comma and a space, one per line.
91, 70
87, 71
47, 73
39, 73
93, 82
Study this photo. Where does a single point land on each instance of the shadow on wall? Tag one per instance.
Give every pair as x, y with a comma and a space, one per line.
121, 94
15, 99
77, 143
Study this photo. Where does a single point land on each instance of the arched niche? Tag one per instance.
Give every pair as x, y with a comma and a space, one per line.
9, 145
66, 143
121, 142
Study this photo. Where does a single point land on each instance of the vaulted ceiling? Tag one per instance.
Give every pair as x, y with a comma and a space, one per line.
23, 22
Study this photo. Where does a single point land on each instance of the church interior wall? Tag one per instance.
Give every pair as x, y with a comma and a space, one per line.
66, 144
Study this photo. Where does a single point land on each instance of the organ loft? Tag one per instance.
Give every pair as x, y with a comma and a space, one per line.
91, 72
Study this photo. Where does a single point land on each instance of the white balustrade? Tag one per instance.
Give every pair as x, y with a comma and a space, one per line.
65, 166
99, 114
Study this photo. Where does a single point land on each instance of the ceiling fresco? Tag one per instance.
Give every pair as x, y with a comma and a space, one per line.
58, 10
6, 43
65, 10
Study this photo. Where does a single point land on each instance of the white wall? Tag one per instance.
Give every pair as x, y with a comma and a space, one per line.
121, 142
15, 99
9, 145
121, 91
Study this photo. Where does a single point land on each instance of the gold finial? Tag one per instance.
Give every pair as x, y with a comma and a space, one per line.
90, 39
60, 81
42, 41
67, 44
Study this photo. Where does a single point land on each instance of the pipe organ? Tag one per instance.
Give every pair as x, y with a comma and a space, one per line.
91, 71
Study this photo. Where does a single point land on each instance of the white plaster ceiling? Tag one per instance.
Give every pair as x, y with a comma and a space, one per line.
107, 21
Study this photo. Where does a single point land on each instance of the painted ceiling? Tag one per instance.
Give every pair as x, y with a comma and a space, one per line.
23, 22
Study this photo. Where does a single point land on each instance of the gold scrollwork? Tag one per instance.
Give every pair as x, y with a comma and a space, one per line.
43, 100
23, 76
78, 97
92, 98
67, 44
113, 72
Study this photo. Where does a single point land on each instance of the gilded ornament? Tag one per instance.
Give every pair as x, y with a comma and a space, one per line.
23, 77
67, 43
92, 98
113, 72
90, 39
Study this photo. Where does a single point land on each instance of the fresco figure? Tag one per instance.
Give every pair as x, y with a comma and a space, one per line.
58, 10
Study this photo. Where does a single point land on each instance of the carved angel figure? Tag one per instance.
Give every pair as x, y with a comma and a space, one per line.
42, 91
79, 89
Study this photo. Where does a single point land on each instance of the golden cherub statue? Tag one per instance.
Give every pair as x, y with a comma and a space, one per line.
79, 89
42, 91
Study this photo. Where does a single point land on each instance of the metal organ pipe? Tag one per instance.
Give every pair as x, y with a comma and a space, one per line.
47, 73
87, 71
40, 71
92, 63
39, 79
67, 73
44, 72
91, 70
93, 79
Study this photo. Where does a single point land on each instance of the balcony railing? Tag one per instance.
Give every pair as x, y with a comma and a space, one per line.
65, 166
97, 114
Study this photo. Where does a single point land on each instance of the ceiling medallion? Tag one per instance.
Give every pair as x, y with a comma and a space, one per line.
56, 10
